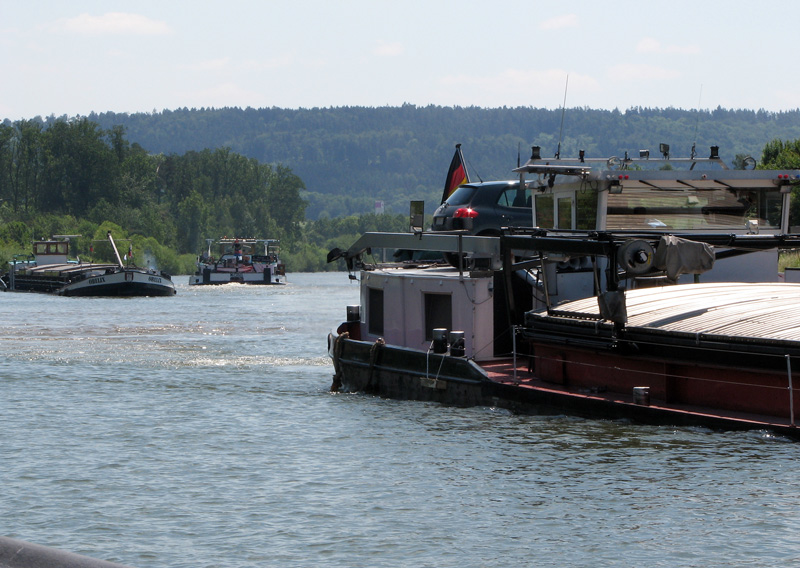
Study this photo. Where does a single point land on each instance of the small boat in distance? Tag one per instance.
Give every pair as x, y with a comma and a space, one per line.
242, 261
50, 270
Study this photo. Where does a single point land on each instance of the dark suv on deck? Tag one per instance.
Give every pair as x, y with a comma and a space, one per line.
483, 208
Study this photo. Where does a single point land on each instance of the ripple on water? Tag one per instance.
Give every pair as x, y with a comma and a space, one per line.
184, 433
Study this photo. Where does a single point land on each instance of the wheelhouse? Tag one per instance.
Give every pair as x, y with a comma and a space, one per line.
674, 195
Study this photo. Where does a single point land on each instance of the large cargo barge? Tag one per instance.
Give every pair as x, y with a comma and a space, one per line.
667, 308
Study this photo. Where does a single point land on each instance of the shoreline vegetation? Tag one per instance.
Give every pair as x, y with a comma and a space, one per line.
73, 177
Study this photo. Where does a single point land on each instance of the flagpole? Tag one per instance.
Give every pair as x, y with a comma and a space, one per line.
463, 163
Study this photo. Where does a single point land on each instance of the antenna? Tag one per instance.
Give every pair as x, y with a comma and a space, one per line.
697, 122
563, 110
472, 167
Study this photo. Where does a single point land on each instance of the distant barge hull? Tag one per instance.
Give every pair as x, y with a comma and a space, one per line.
140, 284
95, 280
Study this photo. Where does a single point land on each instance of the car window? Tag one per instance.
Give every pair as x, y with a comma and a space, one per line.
512, 197
462, 195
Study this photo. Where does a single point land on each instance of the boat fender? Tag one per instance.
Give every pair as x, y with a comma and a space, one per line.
336, 354
352, 328
374, 353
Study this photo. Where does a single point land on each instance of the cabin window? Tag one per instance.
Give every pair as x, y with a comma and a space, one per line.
375, 311
51, 247
719, 207
586, 213
438, 313
544, 211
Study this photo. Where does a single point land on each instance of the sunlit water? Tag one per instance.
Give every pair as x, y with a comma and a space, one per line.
198, 431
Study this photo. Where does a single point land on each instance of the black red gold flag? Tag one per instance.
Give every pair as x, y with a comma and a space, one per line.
457, 174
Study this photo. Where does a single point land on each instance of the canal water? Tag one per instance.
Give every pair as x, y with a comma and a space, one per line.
198, 431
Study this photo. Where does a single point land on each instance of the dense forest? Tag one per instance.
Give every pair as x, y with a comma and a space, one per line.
350, 157
311, 177
73, 177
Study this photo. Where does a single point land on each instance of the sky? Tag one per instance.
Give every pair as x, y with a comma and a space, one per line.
73, 57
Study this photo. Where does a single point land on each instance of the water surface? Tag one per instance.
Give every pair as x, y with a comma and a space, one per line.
198, 431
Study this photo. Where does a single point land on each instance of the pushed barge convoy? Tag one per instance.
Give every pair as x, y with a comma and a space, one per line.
654, 296
49, 270
241, 261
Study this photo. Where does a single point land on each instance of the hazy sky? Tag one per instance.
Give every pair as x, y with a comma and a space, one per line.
72, 57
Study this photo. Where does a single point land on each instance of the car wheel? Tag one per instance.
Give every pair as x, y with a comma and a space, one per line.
452, 259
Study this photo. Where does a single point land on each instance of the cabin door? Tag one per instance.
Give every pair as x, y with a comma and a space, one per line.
564, 210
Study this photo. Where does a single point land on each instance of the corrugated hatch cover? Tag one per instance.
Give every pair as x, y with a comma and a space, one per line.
760, 311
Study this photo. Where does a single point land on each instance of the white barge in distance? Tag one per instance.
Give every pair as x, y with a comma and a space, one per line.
240, 261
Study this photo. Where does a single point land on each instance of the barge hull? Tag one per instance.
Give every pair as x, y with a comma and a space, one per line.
220, 278
406, 374
120, 290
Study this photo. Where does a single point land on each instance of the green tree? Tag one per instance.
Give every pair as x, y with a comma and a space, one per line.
286, 205
80, 167
784, 156
781, 155
27, 158
194, 217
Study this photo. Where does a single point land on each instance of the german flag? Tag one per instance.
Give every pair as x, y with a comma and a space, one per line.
457, 174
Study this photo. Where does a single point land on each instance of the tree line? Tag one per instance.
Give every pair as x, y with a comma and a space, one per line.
74, 177
185, 176
351, 157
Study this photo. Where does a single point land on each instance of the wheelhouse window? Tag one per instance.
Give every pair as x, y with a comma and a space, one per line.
680, 207
586, 212
544, 211
51, 247
375, 311
438, 313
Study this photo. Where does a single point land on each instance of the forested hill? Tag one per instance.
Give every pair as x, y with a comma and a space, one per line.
350, 157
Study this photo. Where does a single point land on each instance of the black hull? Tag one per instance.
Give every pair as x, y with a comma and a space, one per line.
406, 374
111, 289
409, 375
124, 290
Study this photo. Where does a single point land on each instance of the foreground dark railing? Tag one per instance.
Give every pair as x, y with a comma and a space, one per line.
20, 554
